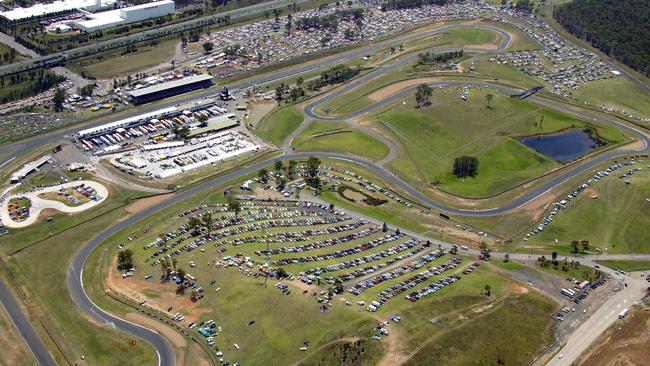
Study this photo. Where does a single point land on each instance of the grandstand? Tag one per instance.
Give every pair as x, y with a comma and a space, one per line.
166, 90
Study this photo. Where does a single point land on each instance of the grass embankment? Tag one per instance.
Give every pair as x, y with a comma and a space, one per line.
113, 64
339, 137
276, 126
626, 265
14, 350
433, 136
618, 219
40, 270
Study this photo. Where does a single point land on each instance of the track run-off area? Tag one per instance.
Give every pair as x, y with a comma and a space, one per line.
164, 349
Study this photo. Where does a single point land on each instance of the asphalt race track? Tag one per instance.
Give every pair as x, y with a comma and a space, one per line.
163, 347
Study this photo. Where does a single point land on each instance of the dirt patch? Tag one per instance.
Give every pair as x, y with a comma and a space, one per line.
395, 348
169, 333
147, 202
391, 89
165, 294
355, 196
518, 289
264, 194
481, 309
302, 286
625, 344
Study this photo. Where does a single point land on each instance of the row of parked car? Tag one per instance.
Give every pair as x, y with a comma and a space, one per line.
362, 286
343, 252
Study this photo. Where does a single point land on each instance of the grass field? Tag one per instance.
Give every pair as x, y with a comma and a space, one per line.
5, 50
432, 137
49, 245
626, 265
112, 65
277, 125
618, 219
14, 350
255, 316
339, 137
618, 93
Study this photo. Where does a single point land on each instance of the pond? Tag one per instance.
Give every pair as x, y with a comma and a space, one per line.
563, 146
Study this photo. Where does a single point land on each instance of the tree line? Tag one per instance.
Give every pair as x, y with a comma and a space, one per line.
408, 4
429, 58
619, 28
27, 84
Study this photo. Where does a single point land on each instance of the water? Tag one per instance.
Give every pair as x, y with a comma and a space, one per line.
563, 146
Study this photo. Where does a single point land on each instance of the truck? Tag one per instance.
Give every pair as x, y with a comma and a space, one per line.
567, 292
623, 313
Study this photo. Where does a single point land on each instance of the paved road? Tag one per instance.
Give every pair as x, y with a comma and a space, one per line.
164, 349
36, 346
149, 34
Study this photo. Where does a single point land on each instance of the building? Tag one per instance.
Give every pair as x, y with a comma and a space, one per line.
57, 7
126, 123
165, 90
28, 168
132, 14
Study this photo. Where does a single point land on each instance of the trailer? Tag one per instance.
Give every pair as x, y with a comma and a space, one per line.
567, 292
623, 313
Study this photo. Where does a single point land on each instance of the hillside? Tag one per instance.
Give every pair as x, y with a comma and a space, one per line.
620, 28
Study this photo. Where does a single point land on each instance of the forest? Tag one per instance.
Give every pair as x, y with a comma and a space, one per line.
619, 28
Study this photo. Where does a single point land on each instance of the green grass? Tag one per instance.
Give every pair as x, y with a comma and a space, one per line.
15, 351
512, 333
339, 137
626, 265
112, 65
276, 337
40, 270
618, 219
566, 270
278, 125
5, 50
432, 137
619, 93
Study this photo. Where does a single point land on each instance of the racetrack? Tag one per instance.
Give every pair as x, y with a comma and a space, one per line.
165, 350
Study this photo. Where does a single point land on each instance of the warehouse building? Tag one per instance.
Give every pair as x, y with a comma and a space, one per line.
132, 14
166, 90
57, 7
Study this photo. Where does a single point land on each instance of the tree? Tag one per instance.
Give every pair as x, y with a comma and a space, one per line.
208, 46
465, 166
454, 249
207, 221
263, 175
281, 183
422, 94
280, 273
125, 259
554, 255
384, 228
488, 99
234, 206
181, 275
278, 166
299, 81
291, 171
485, 251
166, 269
58, 99
488, 290
313, 166
194, 295
574, 246
506, 258
279, 93
195, 223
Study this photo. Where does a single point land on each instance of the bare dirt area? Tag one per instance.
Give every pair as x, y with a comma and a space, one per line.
147, 202
626, 344
391, 89
157, 296
14, 350
518, 289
